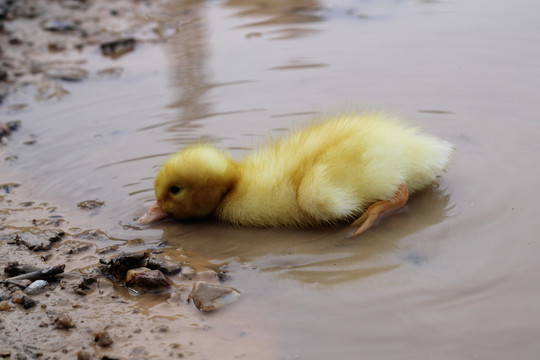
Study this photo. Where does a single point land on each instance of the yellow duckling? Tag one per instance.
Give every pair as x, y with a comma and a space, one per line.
344, 168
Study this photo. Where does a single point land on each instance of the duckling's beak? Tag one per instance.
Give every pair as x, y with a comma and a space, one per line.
153, 214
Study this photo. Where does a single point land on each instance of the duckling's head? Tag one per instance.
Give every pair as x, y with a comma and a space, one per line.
192, 183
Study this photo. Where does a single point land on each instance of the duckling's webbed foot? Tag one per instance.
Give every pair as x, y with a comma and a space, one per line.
380, 208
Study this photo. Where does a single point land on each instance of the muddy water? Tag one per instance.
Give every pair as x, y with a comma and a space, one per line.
452, 276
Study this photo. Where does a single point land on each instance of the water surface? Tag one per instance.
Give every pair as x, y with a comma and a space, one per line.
453, 276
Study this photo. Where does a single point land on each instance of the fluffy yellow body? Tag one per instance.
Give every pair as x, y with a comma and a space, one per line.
328, 172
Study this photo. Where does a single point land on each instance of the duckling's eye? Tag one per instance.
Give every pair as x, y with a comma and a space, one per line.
175, 189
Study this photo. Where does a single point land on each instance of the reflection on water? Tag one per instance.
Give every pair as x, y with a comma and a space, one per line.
190, 70
280, 12
320, 256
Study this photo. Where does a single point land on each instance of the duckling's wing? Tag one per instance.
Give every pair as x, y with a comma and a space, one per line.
324, 198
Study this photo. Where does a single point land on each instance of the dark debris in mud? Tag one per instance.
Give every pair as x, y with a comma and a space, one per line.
28, 302
20, 298
142, 272
117, 48
7, 128
8, 188
14, 268
62, 26
10, 9
118, 266
85, 284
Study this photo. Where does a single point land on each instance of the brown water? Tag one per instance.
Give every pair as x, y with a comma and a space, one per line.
454, 276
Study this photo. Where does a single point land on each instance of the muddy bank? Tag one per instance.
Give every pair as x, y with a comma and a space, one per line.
39, 38
65, 295
64, 288
75, 299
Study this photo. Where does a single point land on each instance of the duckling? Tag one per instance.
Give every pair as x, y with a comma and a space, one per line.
352, 168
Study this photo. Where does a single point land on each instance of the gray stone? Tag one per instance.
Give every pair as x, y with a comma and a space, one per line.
210, 297
156, 263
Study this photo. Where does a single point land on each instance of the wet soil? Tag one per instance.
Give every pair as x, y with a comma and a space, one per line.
106, 90
88, 311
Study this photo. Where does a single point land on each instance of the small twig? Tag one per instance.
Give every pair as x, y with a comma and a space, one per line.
36, 275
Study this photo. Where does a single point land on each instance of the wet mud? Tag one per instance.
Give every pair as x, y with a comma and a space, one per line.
97, 94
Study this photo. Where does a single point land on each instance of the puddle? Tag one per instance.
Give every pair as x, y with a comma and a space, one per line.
452, 276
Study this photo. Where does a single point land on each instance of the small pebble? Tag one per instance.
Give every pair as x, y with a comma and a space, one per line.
103, 339
4, 306
15, 41
28, 302
64, 321
36, 287
60, 25
83, 355
161, 329
56, 46
17, 297
145, 279
156, 263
